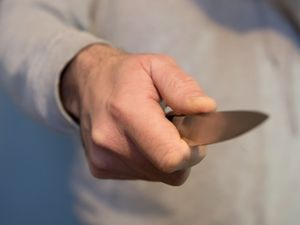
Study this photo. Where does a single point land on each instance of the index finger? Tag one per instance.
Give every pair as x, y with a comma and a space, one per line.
159, 140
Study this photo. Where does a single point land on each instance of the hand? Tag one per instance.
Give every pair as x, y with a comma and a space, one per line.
115, 97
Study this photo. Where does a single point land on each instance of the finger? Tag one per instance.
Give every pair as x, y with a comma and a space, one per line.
109, 146
147, 171
104, 163
177, 178
159, 139
107, 164
179, 90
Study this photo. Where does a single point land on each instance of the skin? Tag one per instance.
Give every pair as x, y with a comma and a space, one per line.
115, 97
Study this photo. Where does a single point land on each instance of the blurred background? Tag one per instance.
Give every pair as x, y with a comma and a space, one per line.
34, 171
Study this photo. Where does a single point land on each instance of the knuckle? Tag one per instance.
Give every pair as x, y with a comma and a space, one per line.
178, 182
98, 170
96, 173
97, 163
103, 140
100, 165
119, 107
116, 106
173, 160
98, 137
178, 178
101, 174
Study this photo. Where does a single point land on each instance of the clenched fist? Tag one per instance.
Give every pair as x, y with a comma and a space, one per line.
116, 97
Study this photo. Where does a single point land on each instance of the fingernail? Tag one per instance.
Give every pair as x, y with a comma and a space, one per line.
202, 103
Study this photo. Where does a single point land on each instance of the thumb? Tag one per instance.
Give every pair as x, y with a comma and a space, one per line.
179, 91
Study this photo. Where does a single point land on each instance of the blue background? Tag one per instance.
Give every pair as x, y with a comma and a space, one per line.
34, 171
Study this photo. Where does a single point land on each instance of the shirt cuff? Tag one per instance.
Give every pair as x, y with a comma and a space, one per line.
59, 53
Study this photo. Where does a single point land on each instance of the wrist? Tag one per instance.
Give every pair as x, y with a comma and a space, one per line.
77, 72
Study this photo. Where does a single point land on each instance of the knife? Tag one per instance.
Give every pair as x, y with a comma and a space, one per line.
210, 128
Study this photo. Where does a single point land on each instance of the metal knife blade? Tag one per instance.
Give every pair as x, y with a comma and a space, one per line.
210, 128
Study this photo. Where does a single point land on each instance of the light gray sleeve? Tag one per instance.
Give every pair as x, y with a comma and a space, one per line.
38, 38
